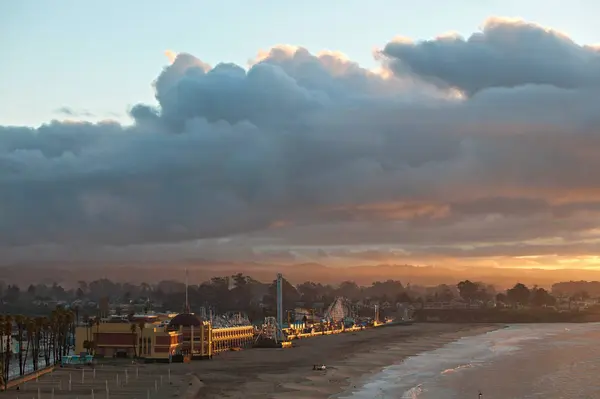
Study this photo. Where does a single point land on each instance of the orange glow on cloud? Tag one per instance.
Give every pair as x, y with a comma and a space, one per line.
279, 224
171, 55
398, 210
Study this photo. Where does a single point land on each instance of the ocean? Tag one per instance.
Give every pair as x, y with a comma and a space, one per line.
520, 361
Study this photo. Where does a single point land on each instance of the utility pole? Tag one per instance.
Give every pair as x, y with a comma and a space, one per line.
187, 303
279, 306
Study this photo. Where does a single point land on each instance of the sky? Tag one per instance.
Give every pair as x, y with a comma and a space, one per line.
454, 133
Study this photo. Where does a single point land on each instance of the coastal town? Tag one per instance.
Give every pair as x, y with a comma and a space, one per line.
96, 327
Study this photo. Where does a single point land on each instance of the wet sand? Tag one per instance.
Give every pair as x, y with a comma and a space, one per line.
349, 357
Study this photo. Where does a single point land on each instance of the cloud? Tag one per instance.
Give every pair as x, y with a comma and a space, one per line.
506, 53
303, 150
67, 111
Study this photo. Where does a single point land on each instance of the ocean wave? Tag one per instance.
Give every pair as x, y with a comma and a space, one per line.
417, 376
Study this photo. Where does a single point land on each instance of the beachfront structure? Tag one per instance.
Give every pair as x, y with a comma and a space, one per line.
120, 339
201, 340
186, 334
14, 343
225, 339
196, 335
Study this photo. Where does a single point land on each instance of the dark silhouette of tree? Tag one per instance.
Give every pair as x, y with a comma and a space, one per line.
444, 293
403, 297
20, 321
540, 297
134, 340
7, 327
501, 297
350, 290
383, 290
310, 292
12, 293
573, 288
519, 294
468, 290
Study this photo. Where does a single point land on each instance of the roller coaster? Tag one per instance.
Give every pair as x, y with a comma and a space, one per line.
339, 311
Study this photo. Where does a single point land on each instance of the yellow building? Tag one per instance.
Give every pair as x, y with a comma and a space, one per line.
186, 334
196, 335
120, 339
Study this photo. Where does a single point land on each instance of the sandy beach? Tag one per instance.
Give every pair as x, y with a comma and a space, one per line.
350, 357
258, 373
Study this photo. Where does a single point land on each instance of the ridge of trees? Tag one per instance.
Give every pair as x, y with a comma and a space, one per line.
243, 293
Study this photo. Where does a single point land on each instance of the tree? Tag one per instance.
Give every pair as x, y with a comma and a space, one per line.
350, 290
8, 325
141, 325
403, 297
242, 291
37, 339
540, 297
384, 290
519, 294
133, 329
12, 294
468, 290
46, 339
76, 313
444, 293
20, 322
310, 292
29, 331
2, 352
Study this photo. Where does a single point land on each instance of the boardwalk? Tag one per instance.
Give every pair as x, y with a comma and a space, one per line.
126, 381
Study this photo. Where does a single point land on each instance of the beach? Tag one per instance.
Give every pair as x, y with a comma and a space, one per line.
349, 358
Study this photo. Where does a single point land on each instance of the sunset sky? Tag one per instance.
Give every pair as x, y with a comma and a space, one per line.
454, 133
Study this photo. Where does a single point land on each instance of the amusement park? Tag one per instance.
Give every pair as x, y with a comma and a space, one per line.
169, 338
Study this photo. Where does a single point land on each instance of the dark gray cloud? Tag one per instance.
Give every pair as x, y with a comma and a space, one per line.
68, 111
506, 53
314, 150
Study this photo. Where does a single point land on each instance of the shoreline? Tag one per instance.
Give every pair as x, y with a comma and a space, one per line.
350, 359
403, 353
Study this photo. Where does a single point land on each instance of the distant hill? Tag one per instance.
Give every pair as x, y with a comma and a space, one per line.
68, 274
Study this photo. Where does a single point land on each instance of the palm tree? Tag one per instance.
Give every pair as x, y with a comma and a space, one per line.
89, 324
20, 321
141, 325
38, 326
58, 332
2, 353
76, 323
47, 339
53, 341
133, 329
97, 322
68, 331
76, 311
8, 324
29, 331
